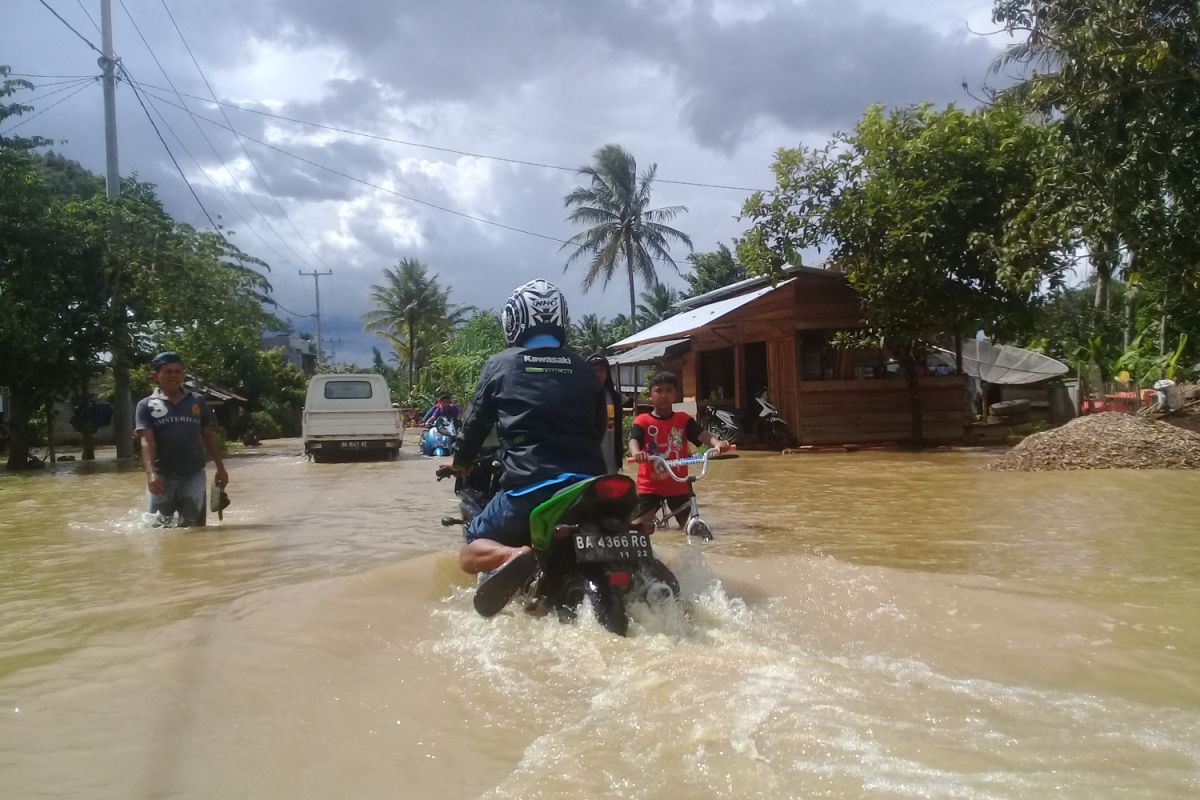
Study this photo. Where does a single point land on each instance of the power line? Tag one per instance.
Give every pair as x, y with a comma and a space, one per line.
32, 117
88, 14
35, 75
171, 155
37, 98
441, 149
257, 172
85, 40
213, 148
375, 186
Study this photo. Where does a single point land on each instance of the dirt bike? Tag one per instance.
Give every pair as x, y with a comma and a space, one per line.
587, 547
695, 527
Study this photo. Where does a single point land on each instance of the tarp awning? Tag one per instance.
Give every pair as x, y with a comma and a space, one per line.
646, 353
1002, 363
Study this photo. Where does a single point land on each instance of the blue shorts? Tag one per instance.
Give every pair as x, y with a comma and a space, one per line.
505, 519
183, 494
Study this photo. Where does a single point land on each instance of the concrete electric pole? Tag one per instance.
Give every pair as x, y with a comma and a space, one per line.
122, 402
316, 276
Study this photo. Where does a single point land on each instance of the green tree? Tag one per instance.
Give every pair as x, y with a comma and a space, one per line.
457, 369
658, 303
929, 215
52, 309
589, 335
618, 328
622, 231
413, 314
1121, 81
712, 271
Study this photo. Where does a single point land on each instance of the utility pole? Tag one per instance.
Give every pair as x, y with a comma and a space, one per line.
316, 276
122, 405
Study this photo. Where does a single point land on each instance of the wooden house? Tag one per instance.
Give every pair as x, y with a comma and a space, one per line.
730, 344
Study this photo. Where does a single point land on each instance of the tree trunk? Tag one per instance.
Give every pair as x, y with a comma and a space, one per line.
911, 379
1162, 326
1130, 305
50, 431
86, 430
633, 320
19, 411
412, 355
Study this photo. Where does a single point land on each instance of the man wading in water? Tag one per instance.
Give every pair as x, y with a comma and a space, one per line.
175, 429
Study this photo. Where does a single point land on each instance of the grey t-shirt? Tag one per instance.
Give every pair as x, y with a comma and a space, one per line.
176, 426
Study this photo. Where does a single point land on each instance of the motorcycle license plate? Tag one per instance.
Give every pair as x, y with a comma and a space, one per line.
591, 547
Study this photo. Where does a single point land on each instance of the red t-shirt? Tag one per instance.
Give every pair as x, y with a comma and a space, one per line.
667, 437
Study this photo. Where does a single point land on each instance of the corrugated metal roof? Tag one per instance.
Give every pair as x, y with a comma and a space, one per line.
752, 283
646, 352
1003, 363
683, 324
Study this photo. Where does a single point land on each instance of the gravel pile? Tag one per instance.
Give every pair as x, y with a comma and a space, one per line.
1105, 441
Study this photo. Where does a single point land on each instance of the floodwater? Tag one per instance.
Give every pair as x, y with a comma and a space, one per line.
864, 625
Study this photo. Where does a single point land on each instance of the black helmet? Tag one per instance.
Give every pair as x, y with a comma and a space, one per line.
537, 307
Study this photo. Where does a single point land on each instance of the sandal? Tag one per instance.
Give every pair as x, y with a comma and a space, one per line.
495, 592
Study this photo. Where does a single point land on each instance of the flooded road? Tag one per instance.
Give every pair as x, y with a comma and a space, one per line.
866, 625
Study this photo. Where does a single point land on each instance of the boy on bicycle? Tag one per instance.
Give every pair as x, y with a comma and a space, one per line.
665, 432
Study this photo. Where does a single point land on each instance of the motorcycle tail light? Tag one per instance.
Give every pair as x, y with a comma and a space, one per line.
619, 579
612, 487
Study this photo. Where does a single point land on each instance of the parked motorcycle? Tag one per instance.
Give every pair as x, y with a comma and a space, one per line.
439, 438
769, 425
763, 421
586, 544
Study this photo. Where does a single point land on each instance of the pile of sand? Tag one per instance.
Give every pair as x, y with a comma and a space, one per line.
1105, 441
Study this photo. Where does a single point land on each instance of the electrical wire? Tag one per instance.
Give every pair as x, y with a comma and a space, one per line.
376, 186
88, 14
441, 149
363, 182
34, 116
257, 172
213, 148
71, 27
37, 98
133, 85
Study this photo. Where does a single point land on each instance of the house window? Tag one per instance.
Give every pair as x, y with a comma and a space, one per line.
818, 356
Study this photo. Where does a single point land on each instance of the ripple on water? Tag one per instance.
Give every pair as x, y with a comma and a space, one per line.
733, 699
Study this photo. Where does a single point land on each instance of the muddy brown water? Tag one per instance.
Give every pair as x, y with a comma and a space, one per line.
866, 625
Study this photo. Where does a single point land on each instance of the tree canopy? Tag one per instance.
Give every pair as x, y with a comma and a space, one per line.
623, 232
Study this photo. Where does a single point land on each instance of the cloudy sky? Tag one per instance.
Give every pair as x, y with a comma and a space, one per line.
707, 89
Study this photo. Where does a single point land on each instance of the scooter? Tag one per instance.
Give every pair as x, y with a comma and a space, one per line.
438, 440
770, 426
586, 545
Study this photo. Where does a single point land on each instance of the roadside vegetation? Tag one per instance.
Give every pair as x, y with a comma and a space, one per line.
1060, 214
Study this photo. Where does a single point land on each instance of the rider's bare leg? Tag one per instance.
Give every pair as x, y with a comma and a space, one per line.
484, 555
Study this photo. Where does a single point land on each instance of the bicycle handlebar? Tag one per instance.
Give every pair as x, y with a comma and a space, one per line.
699, 458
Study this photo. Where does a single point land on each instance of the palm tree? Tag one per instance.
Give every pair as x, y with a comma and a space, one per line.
590, 334
658, 303
623, 232
413, 313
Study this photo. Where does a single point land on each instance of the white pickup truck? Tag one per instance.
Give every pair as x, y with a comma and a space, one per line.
350, 414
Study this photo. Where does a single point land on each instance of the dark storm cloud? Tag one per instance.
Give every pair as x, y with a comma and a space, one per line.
811, 66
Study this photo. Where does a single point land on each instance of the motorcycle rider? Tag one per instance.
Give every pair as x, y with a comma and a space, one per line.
548, 410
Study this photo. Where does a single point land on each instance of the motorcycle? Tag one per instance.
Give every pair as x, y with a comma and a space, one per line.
587, 547
439, 438
765, 422
770, 426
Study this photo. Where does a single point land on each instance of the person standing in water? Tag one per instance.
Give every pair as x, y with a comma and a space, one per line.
614, 445
176, 430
